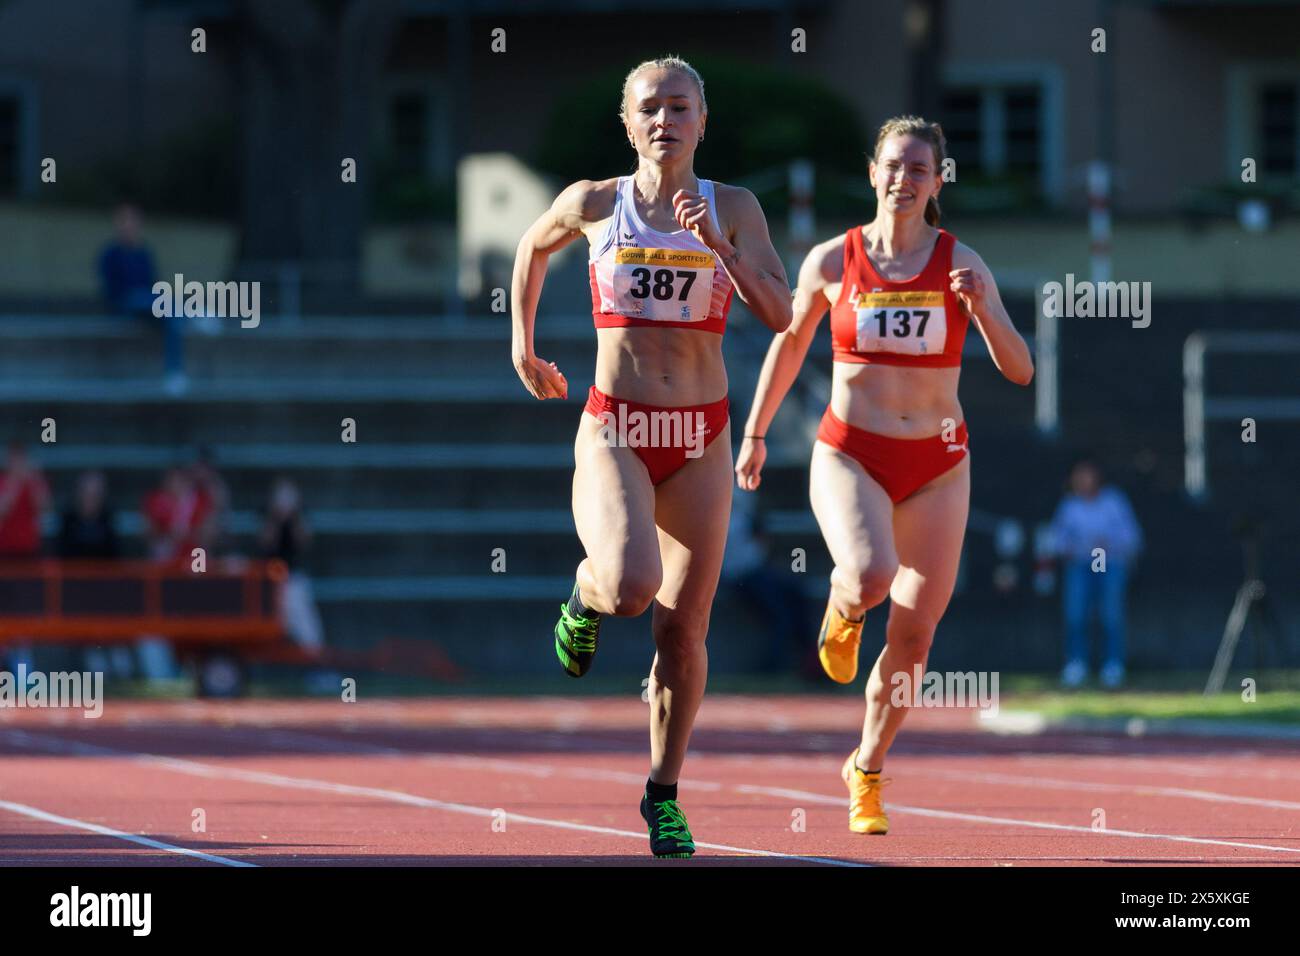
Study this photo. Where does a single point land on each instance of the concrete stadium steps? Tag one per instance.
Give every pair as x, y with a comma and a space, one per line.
454, 459
503, 624
507, 629
456, 543
415, 349
289, 413
347, 476
373, 474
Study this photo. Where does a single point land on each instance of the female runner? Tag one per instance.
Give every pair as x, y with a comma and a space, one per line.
890, 475
652, 482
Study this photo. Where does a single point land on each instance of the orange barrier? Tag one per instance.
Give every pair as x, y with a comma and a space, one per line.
233, 602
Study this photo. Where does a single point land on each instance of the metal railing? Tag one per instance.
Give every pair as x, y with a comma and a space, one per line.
99, 600
1198, 409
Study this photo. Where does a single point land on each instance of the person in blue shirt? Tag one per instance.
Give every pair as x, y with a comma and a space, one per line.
126, 275
126, 266
1096, 537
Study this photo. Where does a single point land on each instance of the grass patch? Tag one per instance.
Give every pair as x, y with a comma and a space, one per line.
1282, 706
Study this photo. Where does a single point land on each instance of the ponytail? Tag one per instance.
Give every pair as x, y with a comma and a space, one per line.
932, 212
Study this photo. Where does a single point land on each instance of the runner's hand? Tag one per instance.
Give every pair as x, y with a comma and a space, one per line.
969, 288
692, 212
542, 379
749, 463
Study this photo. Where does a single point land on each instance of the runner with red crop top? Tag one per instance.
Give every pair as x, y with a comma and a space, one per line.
890, 476
652, 482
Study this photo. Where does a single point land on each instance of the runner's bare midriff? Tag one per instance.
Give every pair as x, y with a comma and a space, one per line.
669, 366
894, 400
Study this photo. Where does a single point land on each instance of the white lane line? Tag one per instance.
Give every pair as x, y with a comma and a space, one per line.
508, 766
513, 766
1008, 821
210, 771
38, 814
319, 743
1223, 765
322, 743
1139, 789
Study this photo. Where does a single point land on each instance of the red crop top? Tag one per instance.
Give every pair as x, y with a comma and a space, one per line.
918, 321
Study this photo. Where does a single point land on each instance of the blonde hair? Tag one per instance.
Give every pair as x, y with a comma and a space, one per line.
662, 63
932, 133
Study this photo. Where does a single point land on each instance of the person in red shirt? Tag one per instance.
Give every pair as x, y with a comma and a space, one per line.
24, 496
177, 513
212, 532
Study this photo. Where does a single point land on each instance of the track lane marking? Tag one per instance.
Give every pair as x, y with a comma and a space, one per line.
514, 767
37, 814
507, 766
1008, 821
210, 771
324, 743
1129, 763
1141, 789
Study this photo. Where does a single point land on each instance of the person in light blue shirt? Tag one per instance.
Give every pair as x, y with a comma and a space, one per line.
1094, 516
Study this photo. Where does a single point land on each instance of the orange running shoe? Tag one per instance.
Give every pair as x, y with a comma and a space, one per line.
866, 810
837, 645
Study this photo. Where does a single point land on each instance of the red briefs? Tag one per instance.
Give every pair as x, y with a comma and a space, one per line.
664, 438
899, 465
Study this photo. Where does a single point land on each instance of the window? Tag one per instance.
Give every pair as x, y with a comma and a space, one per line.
1278, 128
961, 126
1263, 121
10, 115
1023, 131
409, 132
415, 129
1006, 130
996, 131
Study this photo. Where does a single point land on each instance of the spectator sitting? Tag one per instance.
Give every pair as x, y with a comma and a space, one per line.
177, 513
126, 267
211, 487
24, 496
178, 516
1093, 516
286, 535
126, 275
88, 529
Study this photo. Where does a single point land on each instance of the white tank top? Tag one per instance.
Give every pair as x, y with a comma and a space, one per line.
644, 277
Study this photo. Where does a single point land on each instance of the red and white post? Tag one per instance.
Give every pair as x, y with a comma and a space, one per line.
1099, 219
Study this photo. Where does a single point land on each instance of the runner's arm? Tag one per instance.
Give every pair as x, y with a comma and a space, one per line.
978, 292
788, 350
753, 264
553, 230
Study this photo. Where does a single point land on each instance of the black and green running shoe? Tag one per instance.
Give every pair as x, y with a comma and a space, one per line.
575, 641
670, 837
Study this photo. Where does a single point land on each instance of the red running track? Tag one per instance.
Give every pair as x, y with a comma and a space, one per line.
545, 781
